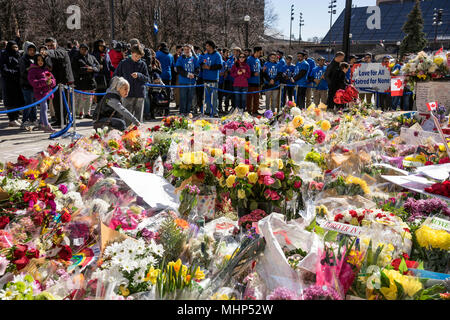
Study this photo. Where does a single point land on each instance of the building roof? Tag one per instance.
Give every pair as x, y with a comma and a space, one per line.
393, 17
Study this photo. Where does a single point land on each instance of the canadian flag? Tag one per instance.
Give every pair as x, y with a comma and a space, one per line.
397, 86
432, 105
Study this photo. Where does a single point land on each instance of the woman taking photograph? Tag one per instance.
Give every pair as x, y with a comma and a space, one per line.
241, 73
42, 81
110, 112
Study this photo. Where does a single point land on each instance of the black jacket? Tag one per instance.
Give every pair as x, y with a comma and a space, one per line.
84, 80
331, 73
111, 107
137, 86
340, 80
103, 77
59, 62
10, 70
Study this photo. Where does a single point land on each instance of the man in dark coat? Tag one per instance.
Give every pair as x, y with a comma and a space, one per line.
330, 75
58, 59
84, 66
28, 58
10, 70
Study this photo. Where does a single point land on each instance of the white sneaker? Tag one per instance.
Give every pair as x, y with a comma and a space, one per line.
25, 124
14, 123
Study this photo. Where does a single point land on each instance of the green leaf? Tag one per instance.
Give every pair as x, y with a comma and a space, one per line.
402, 268
330, 236
420, 267
385, 282
400, 290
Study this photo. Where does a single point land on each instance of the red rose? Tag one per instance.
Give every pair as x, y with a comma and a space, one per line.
66, 217
20, 251
297, 184
280, 175
21, 263
38, 218
33, 253
3, 222
200, 175
65, 253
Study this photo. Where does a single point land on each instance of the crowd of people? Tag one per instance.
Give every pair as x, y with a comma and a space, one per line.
221, 80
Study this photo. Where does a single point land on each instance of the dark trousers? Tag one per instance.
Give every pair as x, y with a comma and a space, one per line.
288, 92
301, 97
240, 99
331, 93
115, 123
200, 93
57, 108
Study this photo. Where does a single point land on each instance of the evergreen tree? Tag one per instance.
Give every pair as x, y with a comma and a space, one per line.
414, 40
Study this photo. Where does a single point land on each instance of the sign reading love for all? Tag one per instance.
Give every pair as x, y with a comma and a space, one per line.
373, 76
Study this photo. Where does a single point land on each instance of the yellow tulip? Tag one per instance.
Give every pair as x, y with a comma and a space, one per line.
242, 170
199, 274
252, 177
241, 194
230, 181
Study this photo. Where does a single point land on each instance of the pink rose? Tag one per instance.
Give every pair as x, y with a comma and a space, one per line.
297, 184
268, 180
280, 175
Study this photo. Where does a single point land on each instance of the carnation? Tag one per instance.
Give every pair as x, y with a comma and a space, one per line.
281, 293
321, 293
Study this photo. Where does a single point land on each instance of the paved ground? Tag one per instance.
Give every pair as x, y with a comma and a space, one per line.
15, 142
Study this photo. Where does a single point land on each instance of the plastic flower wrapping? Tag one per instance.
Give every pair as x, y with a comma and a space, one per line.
293, 205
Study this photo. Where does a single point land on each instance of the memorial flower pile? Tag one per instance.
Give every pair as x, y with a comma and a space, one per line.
298, 205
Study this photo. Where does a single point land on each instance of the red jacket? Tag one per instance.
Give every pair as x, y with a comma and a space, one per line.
116, 57
241, 80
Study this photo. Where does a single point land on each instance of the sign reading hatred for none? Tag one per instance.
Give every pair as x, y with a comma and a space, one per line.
374, 76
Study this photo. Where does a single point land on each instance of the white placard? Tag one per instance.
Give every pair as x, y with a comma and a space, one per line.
347, 229
440, 224
432, 91
156, 191
374, 76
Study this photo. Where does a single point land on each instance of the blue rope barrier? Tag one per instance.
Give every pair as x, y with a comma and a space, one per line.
89, 93
376, 92
165, 86
31, 105
248, 92
69, 125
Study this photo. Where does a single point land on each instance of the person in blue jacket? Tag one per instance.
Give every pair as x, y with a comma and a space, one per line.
301, 78
254, 83
211, 64
272, 75
281, 58
320, 84
135, 71
187, 67
167, 64
309, 90
199, 91
288, 78
222, 83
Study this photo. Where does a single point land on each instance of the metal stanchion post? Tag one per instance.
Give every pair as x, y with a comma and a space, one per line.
72, 101
296, 94
282, 88
61, 105
204, 99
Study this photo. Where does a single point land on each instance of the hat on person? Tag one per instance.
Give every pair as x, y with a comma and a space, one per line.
320, 58
84, 45
237, 48
352, 56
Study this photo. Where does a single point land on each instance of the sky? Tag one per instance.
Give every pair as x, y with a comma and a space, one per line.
315, 15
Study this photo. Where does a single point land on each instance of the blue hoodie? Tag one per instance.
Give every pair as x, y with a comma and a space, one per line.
272, 70
317, 73
302, 82
186, 65
288, 72
167, 63
312, 65
282, 62
255, 67
215, 61
230, 63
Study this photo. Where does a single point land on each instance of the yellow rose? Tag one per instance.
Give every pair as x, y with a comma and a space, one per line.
241, 194
242, 170
326, 125
216, 152
280, 164
230, 181
252, 177
298, 121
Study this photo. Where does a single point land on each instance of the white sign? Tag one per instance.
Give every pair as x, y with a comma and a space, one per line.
347, 229
156, 191
440, 224
432, 91
374, 76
